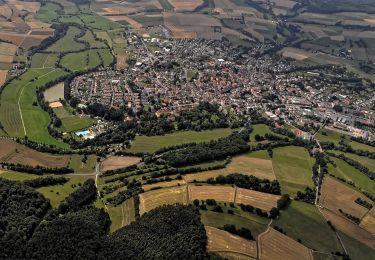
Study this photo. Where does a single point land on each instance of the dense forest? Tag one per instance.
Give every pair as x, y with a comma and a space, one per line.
30, 230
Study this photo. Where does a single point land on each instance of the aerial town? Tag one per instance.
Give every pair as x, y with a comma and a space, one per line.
169, 76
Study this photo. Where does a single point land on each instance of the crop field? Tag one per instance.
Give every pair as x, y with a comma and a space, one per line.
164, 184
3, 77
67, 43
44, 60
274, 244
56, 194
222, 241
218, 193
240, 164
13, 152
368, 221
116, 162
150, 144
120, 18
292, 166
356, 249
329, 198
183, 6
253, 222
7, 52
349, 173
304, 221
156, 198
296, 54
54, 93
349, 228
256, 199
79, 166
122, 214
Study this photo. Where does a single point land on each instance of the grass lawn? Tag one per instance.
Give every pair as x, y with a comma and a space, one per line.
260, 129
150, 144
104, 36
79, 167
18, 176
365, 161
67, 43
89, 37
252, 222
335, 137
356, 249
344, 170
292, 166
260, 154
56, 194
304, 221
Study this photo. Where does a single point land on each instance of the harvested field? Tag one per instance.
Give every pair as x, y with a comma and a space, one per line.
129, 20
180, 19
183, 5
295, 54
256, 199
275, 245
5, 11
349, 228
222, 241
218, 193
368, 221
336, 195
15, 38
29, 6
54, 93
121, 61
156, 198
116, 162
163, 184
13, 152
3, 77
260, 168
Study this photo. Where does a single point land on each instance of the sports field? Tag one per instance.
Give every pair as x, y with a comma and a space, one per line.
292, 166
150, 144
304, 221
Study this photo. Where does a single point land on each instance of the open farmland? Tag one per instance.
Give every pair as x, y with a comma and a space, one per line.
57, 193
351, 174
12, 152
304, 221
240, 219
80, 166
240, 164
150, 144
122, 214
222, 241
116, 162
349, 228
67, 43
17, 176
275, 245
156, 198
3, 77
182, 6
163, 184
345, 201
256, 199
356, 249
295, 54
44, 60
292, 166
368, 221
218, 193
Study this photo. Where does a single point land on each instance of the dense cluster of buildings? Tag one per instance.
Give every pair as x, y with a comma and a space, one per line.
173, 75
